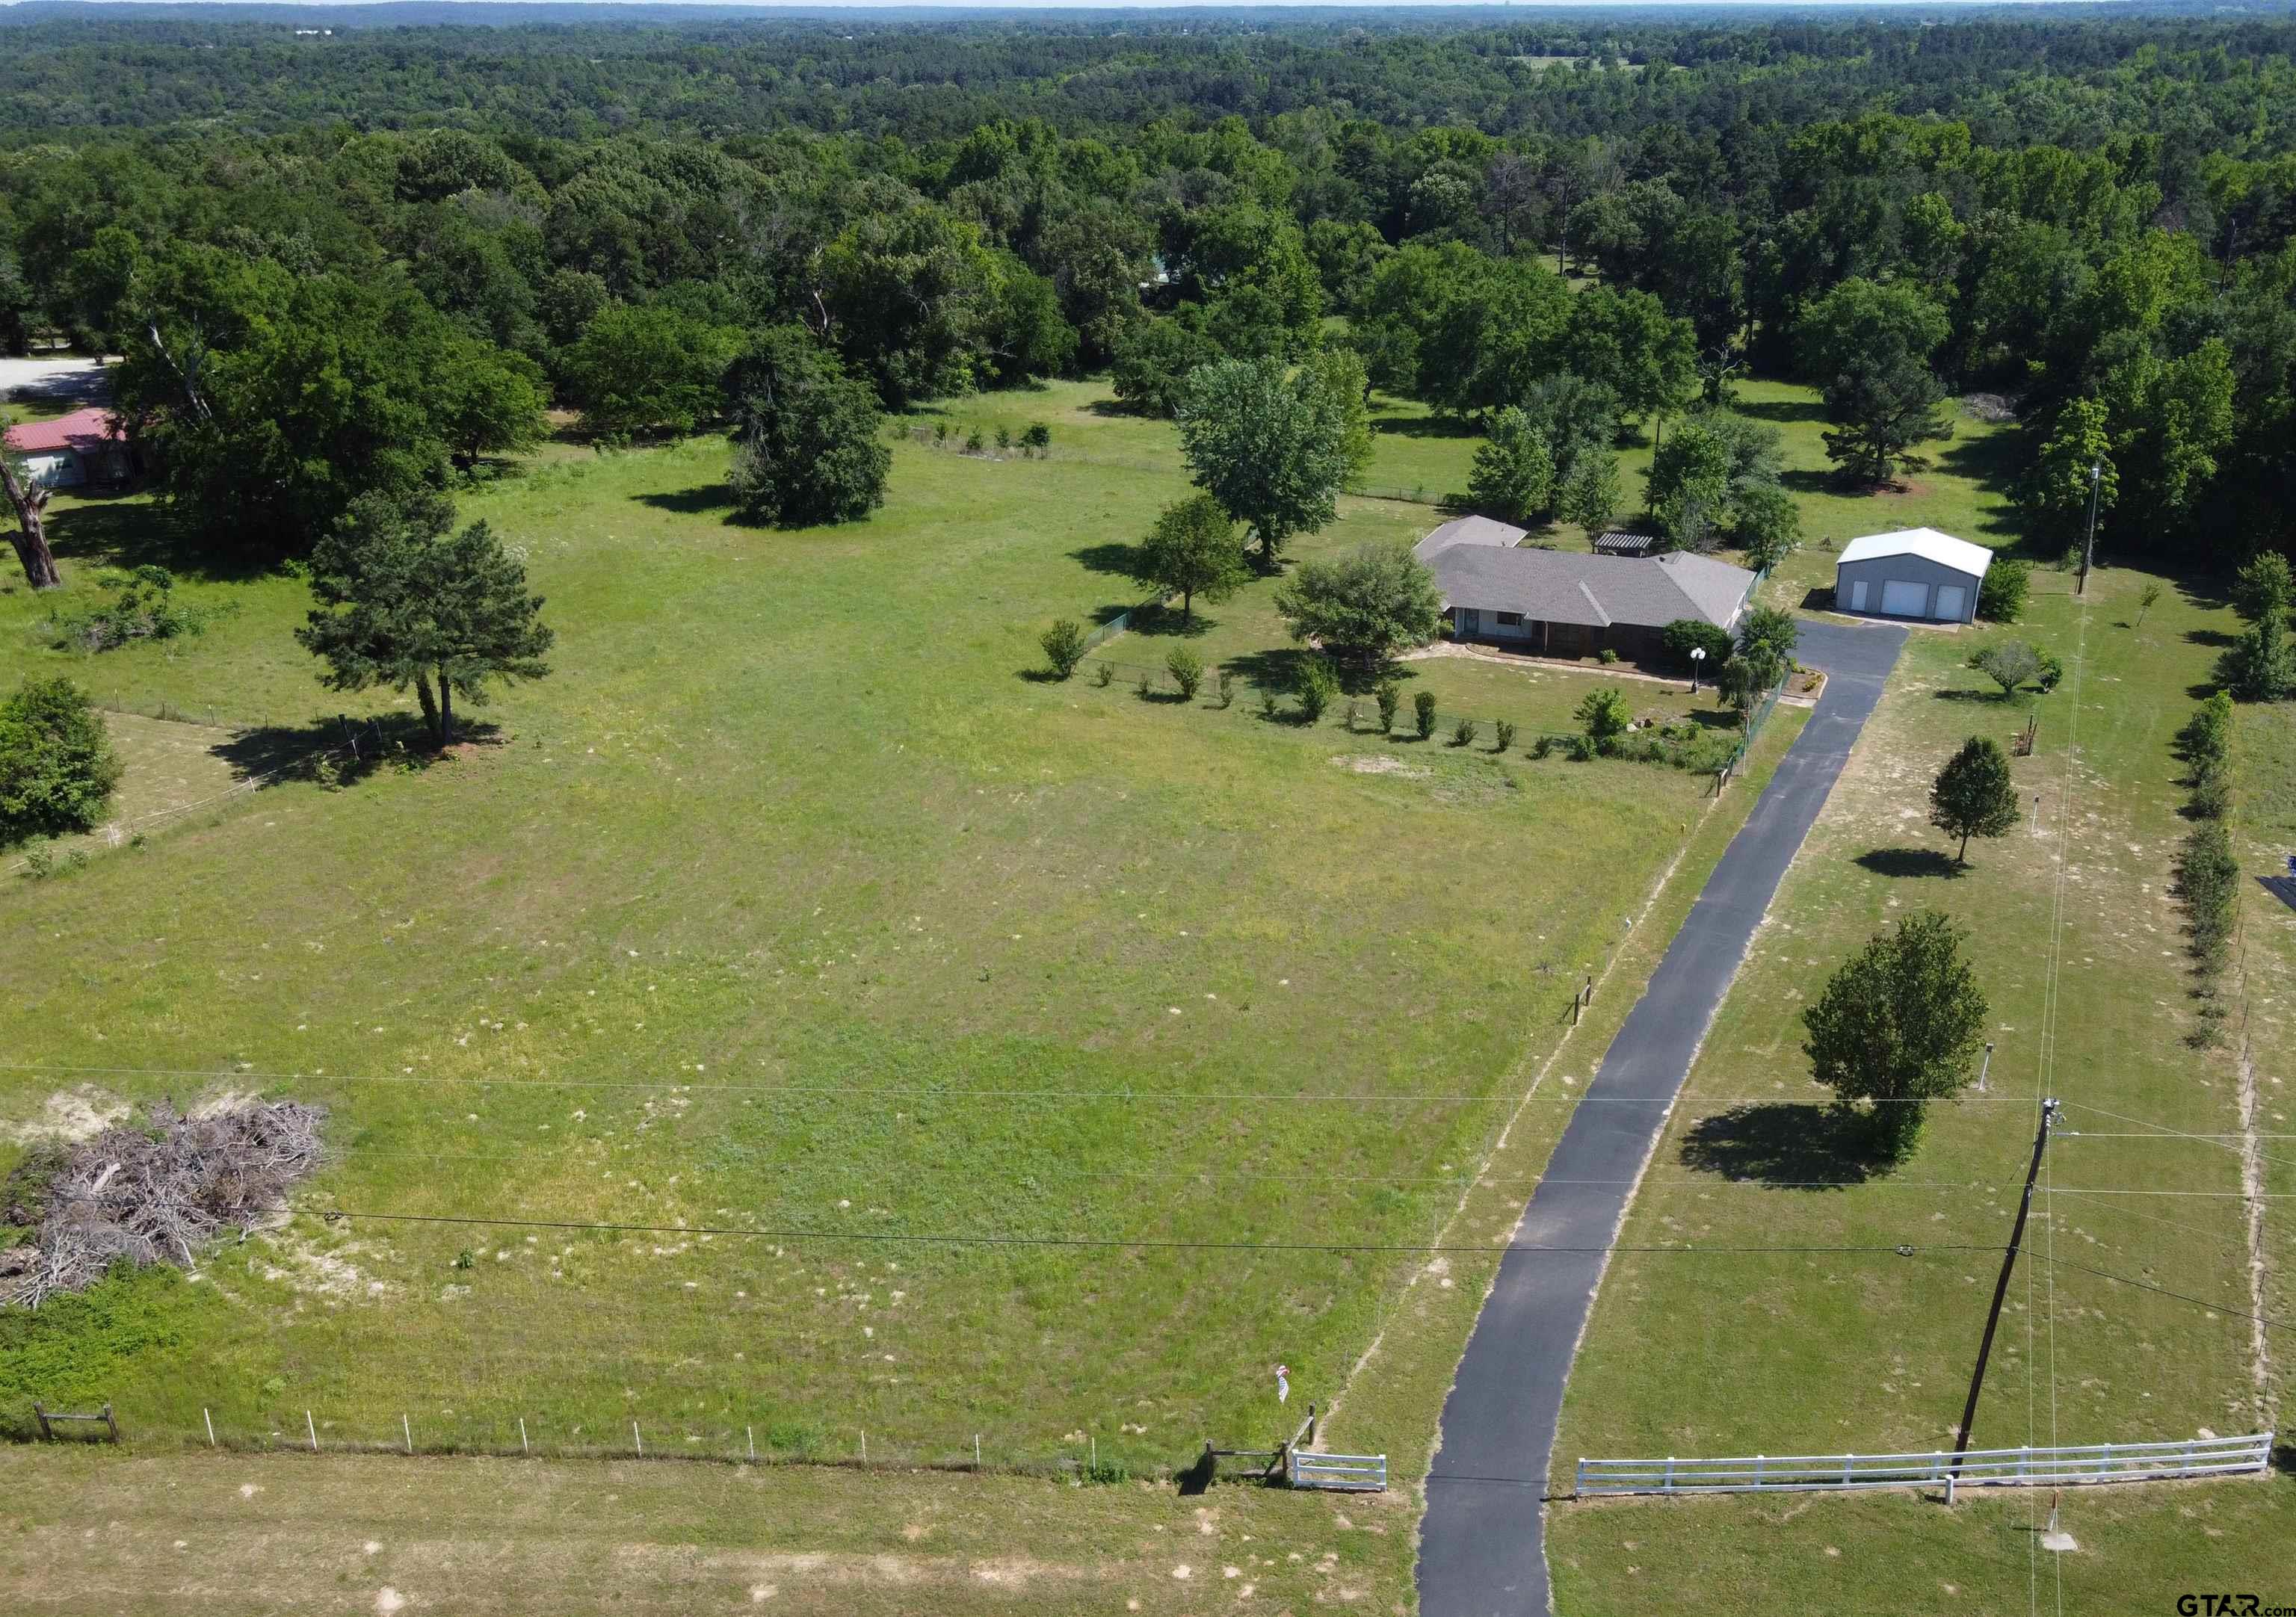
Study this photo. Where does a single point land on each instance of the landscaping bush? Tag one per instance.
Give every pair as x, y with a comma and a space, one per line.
1423, 709
57, 768
1606, 657
2053, 670
1102, 673
1462, 733
2001, 598
1602, 718
1226, 689
2211, 793
1543, 747
1037, 439
1504, 733
1064, 648
1003, 437
1145, 685
1582, 748
1187, 671
1318, 686
974, 443
1685, 634
1267, 709
1389, 696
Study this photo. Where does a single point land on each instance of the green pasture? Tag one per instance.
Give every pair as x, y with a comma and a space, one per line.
793, 919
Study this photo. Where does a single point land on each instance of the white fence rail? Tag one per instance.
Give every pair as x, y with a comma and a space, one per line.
1979, 1467
1345, 1473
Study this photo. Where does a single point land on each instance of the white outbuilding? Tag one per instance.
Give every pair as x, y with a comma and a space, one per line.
1916, 573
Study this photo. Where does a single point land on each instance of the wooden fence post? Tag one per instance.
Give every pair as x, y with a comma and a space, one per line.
113, 1421
41, 1416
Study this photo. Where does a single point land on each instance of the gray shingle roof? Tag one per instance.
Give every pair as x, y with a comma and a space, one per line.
1468, 530
1569, 587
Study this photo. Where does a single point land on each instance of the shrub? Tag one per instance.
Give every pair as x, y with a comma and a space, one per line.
1462, 733
142, 606
1267, 709
2259, 666
2001, 598
2263, 587
1316, 686
2053, 670
974, 443
1226, 689
57, 768
1686, 635
1543, 747
1607, 656
1602, 716
1144, 684
2207, 738
1038, 438
2212, 793
940, 432
1581, 748
2008, 663
1389, 696
1187, 671
1064, 647
1104, 673
1423, 709
1504, 733
1004, 436
1354, 713
2208, 875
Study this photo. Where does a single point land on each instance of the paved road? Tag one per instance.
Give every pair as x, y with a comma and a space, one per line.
1481, 1552
60, 378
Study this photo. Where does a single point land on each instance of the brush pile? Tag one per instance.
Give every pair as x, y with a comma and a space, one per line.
159, 1194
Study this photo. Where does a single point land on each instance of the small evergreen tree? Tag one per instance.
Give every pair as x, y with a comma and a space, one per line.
1187, 671
404, 599
2260, 668
1898, 1027
1422, 713
2264, 588
1973, 794
1317, 685
1388, 697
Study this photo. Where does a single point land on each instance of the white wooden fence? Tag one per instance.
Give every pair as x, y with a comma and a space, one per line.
1341, 1472
1979, 1467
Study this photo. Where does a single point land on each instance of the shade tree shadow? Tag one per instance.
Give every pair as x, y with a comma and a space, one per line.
126, 534
1906, 862
341, 749
2282, 887
1111, 557
1427, 426
1785, 1145
700, 500
1783, 410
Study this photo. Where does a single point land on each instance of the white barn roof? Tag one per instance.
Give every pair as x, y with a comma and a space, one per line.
1926, 542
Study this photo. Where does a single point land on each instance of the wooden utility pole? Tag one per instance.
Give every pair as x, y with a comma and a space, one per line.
2001, 1287
2088, 546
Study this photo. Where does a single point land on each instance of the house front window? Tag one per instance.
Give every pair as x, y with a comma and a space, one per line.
1510, 620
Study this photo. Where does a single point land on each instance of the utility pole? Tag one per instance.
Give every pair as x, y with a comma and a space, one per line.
2001, 1291
2088, 548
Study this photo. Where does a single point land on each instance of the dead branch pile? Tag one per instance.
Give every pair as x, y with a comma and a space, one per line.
155, 1195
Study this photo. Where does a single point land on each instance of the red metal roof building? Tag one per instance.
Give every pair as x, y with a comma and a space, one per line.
82, 447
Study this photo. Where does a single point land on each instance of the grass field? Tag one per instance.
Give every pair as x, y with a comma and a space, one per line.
790, 922
1736, 1352
284, 1533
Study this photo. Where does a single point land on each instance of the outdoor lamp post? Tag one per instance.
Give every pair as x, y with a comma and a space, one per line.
1697, 656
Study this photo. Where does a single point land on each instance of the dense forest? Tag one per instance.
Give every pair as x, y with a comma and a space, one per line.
343, 264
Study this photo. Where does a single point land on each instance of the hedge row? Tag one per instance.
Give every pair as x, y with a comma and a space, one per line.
2208, 873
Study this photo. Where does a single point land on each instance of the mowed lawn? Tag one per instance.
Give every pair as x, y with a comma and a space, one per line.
1849, 1345
793, 931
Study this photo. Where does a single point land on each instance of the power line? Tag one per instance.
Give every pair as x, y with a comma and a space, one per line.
835, 1091
1119, 1241
2265, 1321
2163, 1132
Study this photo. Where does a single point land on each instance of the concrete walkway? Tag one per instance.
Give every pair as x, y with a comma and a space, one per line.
1481, 1551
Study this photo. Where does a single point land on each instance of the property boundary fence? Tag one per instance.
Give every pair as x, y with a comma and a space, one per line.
2029, 1467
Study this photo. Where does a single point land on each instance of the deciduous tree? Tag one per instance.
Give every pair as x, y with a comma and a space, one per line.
1364, 605
1191, 550
57, 768
1973, 794
808, 440
1898, 1027
1269, 444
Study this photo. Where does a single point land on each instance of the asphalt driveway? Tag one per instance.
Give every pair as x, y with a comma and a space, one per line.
1482, 1548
